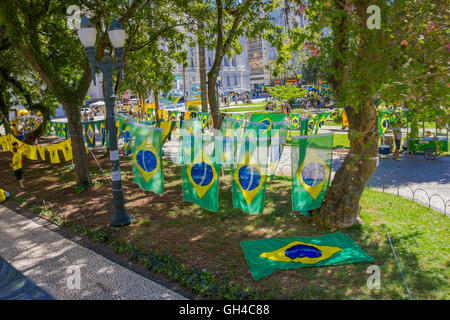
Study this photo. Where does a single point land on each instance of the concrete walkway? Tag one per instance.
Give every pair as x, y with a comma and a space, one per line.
53, 262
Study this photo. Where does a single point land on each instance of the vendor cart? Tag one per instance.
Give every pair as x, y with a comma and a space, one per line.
430, 142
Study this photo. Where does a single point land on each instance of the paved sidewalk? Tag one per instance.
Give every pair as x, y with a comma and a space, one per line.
44, 256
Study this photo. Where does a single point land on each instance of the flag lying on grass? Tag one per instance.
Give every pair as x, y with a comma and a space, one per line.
147, 164
267, 255
311, 158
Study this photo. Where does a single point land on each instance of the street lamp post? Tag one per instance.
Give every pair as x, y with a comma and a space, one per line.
107, 65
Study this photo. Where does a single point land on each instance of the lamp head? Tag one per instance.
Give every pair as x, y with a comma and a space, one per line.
87, 33
116, 34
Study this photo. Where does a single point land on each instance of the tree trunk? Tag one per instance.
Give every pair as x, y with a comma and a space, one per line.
80, 158
212, 96
156, 94
202, 70
341, 206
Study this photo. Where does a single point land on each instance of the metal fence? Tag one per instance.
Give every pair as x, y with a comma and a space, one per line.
419, 195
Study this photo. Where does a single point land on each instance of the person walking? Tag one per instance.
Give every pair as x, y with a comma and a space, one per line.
398, 139
16, 164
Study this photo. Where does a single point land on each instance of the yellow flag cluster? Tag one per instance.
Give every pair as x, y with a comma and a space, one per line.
31, 152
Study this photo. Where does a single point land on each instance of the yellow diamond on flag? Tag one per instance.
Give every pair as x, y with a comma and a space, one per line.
301, 252
90, 134
146, 159
313, 173
202, 174
249, 178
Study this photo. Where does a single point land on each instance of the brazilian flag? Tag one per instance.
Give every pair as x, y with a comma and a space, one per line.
89, 131
295, 120
334, 114
192, 126
310, 125
268, 255
101, 129
127, 139
230, 130
278, 136
167, 127
268, 119
149, 115
238, 116
204, 117
320, 120
311, 158
58, 129
65, 130
201, 170
48, 128
249, 171
147, 161
383, 123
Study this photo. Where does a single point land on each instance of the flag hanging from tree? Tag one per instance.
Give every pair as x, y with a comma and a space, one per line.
147, 161
268, 119
101, 130
320, 120
278, 136
89, 131
250, 169
127, 139
167, 127
201, 170
311, 159
267, 255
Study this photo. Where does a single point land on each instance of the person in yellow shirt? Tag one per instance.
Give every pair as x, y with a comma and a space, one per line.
16, 164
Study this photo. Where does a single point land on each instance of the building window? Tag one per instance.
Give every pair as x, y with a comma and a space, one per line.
235, 80
228, 81
226, 61
209, 61
233, 62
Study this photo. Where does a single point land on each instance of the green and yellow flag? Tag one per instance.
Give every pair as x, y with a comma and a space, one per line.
127, 139
101, 130
89, 131
204, 117
278, 136
249, 173
295, 120
311, 159
320, 120
167, 127
230, 130
48, 128
268, 119
268, 255
147, 161
201, 170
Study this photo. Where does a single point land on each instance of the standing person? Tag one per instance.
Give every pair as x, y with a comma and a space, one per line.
398, 139
16, 164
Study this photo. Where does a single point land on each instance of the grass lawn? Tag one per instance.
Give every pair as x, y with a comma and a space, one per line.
243, 108
340, 140
210, 240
